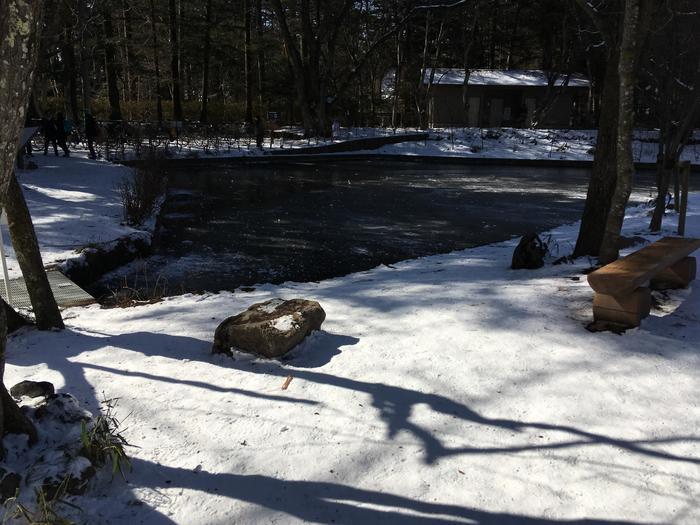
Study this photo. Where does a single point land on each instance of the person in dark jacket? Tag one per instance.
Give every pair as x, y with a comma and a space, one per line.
90, 133
48, 130
63, 129
259, 132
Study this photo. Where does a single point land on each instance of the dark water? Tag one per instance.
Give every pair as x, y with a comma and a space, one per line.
227, 225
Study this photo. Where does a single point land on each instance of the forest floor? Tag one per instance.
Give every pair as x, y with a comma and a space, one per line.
446, 389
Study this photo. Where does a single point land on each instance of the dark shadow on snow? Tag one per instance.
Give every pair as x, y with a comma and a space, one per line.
327, 502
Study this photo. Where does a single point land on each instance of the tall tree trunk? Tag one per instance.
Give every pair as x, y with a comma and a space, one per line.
260, 51
513, 33
69, 80
609, 249
247, 62
20, 25
154, 41
203, 115
397, 83
126, 60
115, 111
175, 62
85, 58
468, 34
29, 258
604, 172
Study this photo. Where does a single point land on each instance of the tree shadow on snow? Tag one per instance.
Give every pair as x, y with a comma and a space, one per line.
318, 349
396, 404
328, 502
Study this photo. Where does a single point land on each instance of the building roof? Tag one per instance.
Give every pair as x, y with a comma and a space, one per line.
502, 77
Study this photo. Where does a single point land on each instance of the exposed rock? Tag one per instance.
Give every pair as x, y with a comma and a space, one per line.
529, 254
32, 389
270, 329
9, 484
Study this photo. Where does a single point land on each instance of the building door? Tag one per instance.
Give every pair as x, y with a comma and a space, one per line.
474, 107
496, 114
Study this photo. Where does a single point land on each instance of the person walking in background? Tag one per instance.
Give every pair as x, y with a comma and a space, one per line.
48, 129
63, 129
259, 132
90, 133
335, 129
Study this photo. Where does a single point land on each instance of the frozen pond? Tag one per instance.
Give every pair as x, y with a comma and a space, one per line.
229, 225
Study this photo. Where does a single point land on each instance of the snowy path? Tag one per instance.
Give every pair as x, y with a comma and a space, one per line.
448, 389
74, 202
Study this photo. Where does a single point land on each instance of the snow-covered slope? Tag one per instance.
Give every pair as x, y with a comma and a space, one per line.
448, 389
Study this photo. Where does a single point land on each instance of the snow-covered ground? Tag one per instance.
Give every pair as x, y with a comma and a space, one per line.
475, 143
74, 203
448, 389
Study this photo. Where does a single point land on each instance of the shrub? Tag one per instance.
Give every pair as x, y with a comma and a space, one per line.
102, 440
140, 192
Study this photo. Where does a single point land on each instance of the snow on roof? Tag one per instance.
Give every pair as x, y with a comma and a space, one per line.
502, 77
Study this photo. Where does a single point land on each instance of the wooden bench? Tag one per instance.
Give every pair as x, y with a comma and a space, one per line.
622, 288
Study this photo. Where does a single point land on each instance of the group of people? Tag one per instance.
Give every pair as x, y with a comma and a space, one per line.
57, 130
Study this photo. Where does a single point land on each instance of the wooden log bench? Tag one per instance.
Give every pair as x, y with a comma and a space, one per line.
623, 288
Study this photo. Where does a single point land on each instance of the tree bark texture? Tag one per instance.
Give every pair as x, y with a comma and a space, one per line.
204, 112
29, 258
609, 249
154, 43
111, 66
175, 63
20, 27
248, 61
260, 51
85, 55
601, 185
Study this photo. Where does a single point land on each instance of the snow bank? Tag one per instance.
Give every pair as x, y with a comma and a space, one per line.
75, 204
472, 143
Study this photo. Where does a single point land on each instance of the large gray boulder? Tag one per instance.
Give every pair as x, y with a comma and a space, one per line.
270, 329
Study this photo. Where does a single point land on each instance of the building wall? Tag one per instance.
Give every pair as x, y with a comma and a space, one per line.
495, 106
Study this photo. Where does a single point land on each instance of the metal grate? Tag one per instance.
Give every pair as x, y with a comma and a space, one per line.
66, 292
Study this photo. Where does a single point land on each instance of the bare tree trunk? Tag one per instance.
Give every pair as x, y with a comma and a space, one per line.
397, 83
20, 25
203, 115
513, 33
603, 175
29, 258
609, 249
85, 57
126, 28
260, 51
247, 62
468, 33
175, 63
154, 41
69, 83
111, 67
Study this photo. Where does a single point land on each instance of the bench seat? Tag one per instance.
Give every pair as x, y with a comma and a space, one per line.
623, 287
